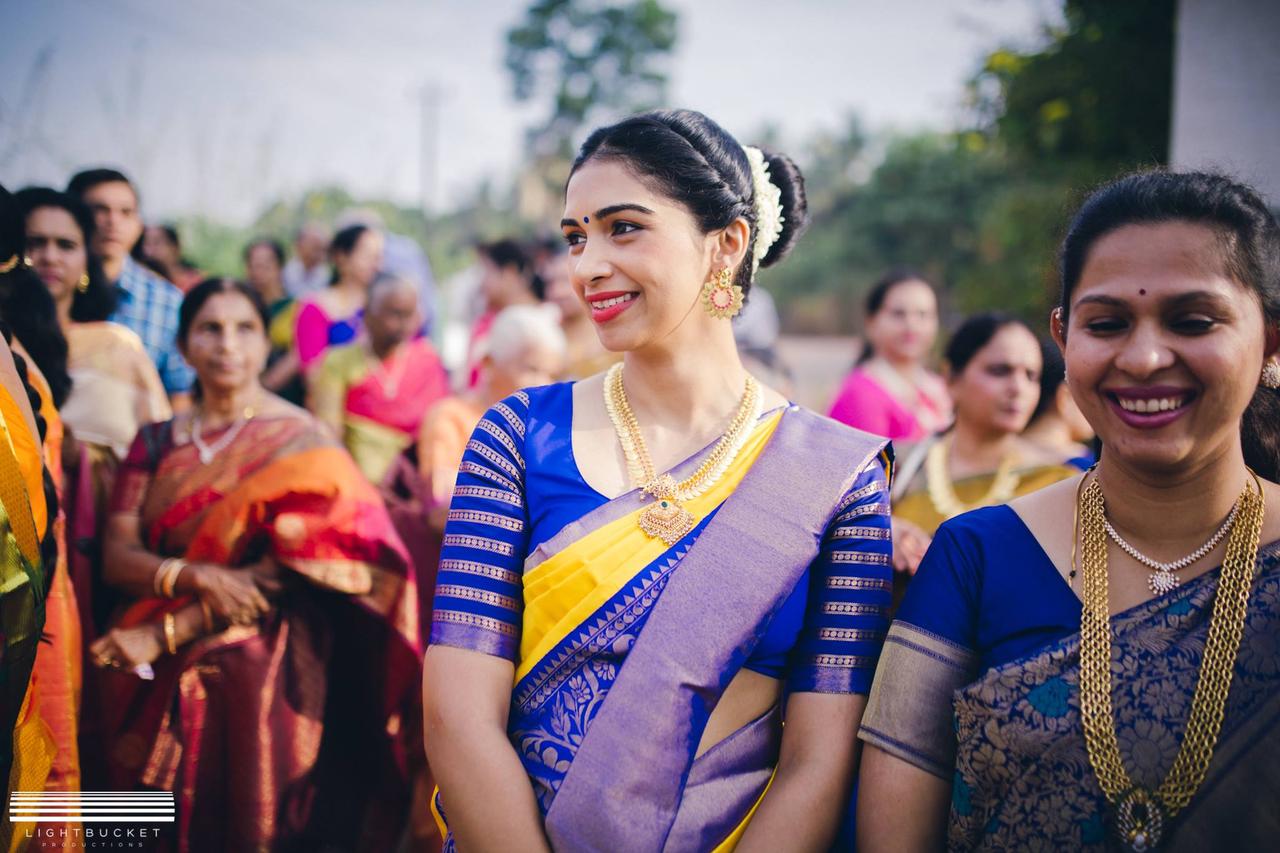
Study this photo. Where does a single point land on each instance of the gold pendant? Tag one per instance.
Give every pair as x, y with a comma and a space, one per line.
1140, 820
667, 520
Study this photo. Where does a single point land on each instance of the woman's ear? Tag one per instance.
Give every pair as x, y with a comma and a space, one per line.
729, 248
1058, 329
1273, 340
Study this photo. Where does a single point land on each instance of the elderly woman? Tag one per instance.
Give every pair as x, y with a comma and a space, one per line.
374, 392
271, 611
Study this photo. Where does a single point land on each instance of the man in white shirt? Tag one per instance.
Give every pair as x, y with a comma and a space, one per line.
308, 270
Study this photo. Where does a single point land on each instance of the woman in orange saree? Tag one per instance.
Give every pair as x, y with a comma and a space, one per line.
273, 612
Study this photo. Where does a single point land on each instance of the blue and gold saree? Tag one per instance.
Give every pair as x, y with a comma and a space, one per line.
979, 685
622, 645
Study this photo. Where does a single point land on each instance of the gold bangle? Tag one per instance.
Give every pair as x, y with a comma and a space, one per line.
206, 612
171, 578
157, 580
171, 633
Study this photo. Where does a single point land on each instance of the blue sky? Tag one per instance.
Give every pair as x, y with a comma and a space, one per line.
223, 106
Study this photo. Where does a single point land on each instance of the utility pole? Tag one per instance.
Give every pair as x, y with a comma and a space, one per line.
430, 97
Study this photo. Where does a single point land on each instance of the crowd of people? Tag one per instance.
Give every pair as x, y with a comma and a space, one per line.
599, 584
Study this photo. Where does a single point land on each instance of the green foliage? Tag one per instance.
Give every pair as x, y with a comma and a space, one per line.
981, 211
589, 56
1098, 92
447, 239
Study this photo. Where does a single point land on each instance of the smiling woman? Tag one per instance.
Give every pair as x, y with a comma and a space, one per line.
1112, 675
654, 555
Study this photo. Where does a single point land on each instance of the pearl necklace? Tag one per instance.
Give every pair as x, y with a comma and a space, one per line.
1162, 579
207, 452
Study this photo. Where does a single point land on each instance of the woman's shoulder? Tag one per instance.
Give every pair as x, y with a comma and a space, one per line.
106, 333
985, 537
552, 402
1033, 455
861, 380
314, 307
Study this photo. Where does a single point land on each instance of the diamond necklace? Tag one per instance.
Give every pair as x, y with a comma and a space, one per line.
666, 519
1162, 579
206, 452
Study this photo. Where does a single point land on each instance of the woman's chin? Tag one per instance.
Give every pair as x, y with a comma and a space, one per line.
1150, 454
223, 384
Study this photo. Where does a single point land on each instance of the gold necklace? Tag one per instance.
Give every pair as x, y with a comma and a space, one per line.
943, 495
666, 519
1140, 814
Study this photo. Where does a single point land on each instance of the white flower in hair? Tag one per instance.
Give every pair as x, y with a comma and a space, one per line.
768, 200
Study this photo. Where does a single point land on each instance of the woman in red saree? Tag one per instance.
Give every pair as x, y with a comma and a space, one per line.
273, 613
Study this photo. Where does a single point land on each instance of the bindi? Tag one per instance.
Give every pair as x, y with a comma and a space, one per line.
1142, 291
587, 219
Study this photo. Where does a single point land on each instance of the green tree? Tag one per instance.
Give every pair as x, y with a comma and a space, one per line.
982, 211
1098, 92
589, 56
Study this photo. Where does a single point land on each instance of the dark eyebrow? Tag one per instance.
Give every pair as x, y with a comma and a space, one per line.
1180, 299
606, 212
1109, 301
1195, 296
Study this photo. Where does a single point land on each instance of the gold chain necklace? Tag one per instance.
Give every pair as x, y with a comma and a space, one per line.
666, 519
1140, 814
942, 494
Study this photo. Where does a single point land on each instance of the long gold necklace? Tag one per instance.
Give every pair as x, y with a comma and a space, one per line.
1141, 814
666, 519
942, 493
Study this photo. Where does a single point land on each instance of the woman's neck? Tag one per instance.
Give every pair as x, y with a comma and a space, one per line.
907, 368
1049, 430
511, 299
223, 407
1177, 509
689, 386
384, 349
350, 286
63, 307
976, 451
273, 292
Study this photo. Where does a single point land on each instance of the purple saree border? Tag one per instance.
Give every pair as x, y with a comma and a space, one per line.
618, 797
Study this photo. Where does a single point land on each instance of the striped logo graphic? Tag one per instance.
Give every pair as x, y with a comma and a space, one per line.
91, 807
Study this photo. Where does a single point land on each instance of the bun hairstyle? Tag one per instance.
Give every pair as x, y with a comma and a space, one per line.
692, 160
1249, 250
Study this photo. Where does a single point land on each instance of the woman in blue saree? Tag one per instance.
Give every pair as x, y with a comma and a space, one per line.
1095, 665
613, 653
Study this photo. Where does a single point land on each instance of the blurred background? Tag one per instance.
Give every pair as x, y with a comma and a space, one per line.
952, 136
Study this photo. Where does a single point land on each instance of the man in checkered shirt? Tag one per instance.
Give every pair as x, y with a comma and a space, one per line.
148, 303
